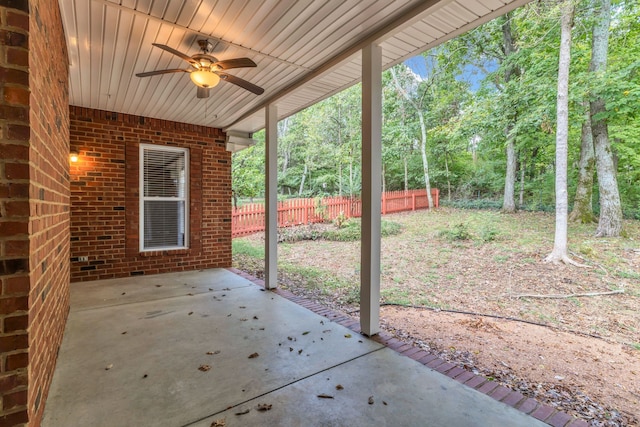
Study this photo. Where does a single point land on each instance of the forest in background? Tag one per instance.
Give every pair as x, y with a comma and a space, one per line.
476, 118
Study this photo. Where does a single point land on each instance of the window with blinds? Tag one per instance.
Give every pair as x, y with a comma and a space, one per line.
163, 197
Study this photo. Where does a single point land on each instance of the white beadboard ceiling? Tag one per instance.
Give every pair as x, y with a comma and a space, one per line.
305, 50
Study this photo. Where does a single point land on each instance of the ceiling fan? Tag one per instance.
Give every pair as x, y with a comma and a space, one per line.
206, 71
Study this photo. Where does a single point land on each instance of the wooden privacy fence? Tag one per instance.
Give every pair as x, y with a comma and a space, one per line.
250, 218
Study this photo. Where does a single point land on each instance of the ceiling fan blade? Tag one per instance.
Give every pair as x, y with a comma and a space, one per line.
235, 63
176, 53
242, 83
154, 73
203, 92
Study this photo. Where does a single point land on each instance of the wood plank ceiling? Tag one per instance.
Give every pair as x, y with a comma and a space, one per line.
305, 50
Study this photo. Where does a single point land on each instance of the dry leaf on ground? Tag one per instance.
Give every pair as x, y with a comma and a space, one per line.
263, 407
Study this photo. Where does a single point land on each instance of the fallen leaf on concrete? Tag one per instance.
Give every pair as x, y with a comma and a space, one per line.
347, 335
263, 407
124, 293
204, 368
213, 352
325, 396
253, 355
305, 332
145, 376
246, 411
124, 332
243, 319
158, 286
290, 348
255, 317
384, 403
300, 351
190, 313
190, 294
109, 366
242, 306
339, 387
218, 423
370, 401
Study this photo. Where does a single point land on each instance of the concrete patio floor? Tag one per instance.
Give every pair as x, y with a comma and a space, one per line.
189, 349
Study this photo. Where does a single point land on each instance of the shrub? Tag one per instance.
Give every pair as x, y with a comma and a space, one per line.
295, 234
457, 232
349, 231
488, 233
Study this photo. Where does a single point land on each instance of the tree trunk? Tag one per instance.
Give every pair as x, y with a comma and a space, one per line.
446, 168
384, 180
509, 203
340, 179
406, 174
582, 209
521, 198
351, 177
425, 161
302, 180
559, 252
610, 222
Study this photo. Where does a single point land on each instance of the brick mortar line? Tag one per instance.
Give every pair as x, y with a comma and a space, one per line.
539, 411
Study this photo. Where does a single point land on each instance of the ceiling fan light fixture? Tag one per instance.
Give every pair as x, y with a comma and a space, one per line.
204, 78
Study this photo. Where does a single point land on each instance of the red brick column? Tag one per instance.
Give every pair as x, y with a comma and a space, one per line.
34, 204
14, 214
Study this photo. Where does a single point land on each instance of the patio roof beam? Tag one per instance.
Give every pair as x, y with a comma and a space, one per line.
271, 196
371, 191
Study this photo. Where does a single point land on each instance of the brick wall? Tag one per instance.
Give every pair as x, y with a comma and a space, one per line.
34, 204
105, 196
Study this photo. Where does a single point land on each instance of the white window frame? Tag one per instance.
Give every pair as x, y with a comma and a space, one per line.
184, 198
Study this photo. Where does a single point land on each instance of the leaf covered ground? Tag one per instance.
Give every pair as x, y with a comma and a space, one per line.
453, 282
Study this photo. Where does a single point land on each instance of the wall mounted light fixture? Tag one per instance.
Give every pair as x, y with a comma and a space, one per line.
73, 156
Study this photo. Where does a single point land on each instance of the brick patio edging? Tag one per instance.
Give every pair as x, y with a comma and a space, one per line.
545, 413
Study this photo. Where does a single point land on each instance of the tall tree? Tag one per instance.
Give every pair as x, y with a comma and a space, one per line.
610, 221
418, 105
509, 48
559, 252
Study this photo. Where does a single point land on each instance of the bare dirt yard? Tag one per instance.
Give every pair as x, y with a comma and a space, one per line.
472, 287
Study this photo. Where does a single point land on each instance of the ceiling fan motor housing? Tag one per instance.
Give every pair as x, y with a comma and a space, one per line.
206, 46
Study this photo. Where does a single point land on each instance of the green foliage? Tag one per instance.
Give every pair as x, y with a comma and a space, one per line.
348, 231
474, 204
488, 233
458, 232
247, 170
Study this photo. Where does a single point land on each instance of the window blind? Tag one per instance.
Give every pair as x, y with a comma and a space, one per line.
164, 198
